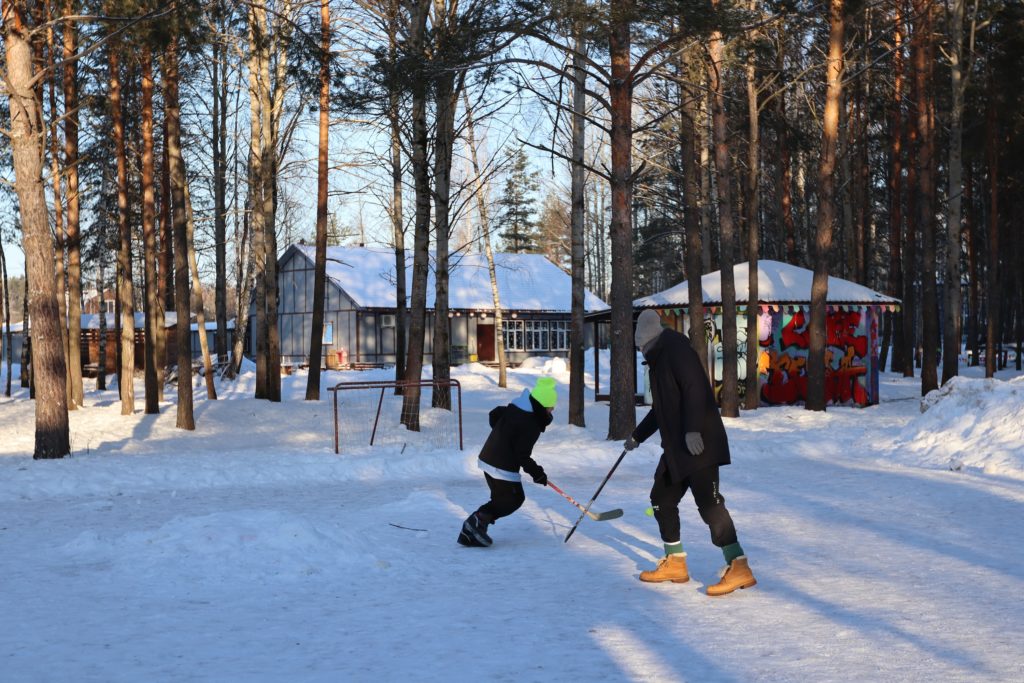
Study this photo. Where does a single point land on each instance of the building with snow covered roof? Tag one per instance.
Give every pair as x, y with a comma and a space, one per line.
360, 307
784, 298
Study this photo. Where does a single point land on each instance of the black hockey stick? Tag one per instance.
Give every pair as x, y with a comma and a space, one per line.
596, 494
596, 516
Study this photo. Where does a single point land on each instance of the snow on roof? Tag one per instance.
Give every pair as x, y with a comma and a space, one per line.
776, 283
91, 321
526, 282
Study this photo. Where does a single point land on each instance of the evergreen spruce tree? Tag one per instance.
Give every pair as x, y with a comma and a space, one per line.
517, 224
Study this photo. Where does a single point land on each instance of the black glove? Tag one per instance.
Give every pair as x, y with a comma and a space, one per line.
630, 443
540, 478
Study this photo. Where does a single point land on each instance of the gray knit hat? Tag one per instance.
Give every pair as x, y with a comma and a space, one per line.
648, 328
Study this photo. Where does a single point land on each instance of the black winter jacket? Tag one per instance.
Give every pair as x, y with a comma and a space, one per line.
515, 429
683, 402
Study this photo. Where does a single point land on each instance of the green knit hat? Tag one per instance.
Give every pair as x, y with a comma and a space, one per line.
544, 392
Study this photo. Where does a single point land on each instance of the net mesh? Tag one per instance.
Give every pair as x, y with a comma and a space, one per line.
375, 416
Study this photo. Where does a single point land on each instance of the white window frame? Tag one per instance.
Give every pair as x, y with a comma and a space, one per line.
512, 334
559, 335
536, 335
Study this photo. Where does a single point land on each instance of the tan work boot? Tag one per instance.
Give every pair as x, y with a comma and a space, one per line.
736, 575
670, 568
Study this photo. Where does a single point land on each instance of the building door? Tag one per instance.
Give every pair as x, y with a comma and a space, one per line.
485, 343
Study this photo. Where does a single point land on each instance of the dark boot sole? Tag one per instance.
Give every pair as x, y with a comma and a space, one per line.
468, 541
482, 539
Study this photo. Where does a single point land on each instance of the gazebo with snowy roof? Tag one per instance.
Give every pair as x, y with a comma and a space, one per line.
784, 298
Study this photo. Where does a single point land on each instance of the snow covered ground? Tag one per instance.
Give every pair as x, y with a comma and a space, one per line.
887, 544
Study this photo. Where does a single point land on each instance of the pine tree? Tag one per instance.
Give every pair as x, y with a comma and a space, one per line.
516, 222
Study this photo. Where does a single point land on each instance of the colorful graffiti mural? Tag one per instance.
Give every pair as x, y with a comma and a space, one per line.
851, 357
851, 353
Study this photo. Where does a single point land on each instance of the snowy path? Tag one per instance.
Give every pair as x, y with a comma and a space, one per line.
278, 562
899, 575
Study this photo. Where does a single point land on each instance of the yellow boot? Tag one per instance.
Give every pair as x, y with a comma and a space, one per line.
736, 575
670, 568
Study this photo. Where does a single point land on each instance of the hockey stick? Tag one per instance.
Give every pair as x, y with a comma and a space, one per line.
596, 494
596, 516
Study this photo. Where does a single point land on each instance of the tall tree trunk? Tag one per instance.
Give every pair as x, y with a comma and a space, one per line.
729, 398
816, 368
784, 165
577, 415
7, 339
418, 10
165, 275
258, 89
992, 338
197, 292
219, 135
27, 139
320, 265
185, 416
153, 363
126, 383
245, 264
622, 413
692, 201
971, 240
397, 218
445, 102
270, 121
58, 200
922, 51
752, 389
953, 276
485, 236
74, 245
101, 354
910, 302
26, 347
896, 128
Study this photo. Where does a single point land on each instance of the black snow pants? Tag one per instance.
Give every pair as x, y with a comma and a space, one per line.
665, 497
506, 498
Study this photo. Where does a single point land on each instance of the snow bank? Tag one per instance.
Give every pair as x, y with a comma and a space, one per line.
968, 423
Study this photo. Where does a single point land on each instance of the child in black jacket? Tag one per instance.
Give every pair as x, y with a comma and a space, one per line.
515, 429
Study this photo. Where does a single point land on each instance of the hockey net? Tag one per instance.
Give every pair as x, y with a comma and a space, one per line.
373, 413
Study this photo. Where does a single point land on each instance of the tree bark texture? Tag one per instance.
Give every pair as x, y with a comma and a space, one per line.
922, 54
622, 413
73, 240
126, 383
418, 11
577, 415
816, 358
729, 398
153, 379
320, 263
185, 416
27, 139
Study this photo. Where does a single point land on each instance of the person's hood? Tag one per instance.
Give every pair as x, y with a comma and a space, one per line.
528, 404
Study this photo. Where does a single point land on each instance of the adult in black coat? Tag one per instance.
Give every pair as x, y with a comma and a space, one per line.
694, 445
508, 449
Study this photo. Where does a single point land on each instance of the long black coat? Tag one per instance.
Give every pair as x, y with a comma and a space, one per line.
683, 402
515, 429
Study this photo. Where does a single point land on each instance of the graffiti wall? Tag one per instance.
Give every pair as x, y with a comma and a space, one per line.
851, 353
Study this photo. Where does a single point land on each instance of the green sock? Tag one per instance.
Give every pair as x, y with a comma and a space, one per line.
673, 548
731, 552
